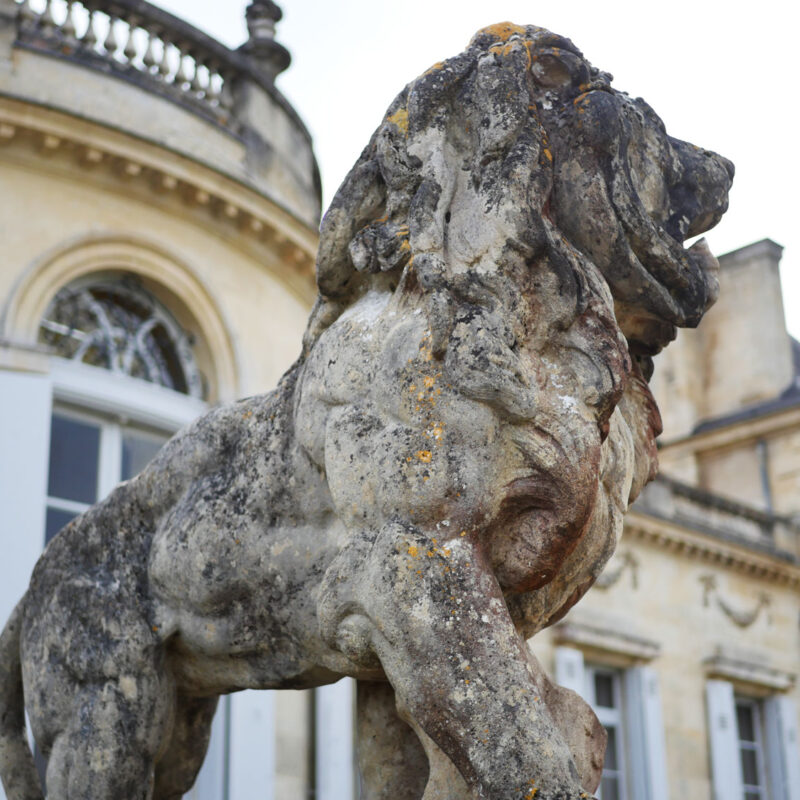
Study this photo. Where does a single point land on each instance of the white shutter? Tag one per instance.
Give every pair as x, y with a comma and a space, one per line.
644, 729
569, 670
726, 768
782, 749
25, 406
335, 754
251, 769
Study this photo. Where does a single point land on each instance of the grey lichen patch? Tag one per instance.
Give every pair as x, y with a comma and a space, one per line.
441, 474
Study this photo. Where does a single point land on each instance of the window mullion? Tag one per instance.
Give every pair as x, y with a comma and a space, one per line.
61, 504
110, 458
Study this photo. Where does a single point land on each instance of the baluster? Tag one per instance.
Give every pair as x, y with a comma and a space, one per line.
47, 20
130, 51
26, 13
149, 59
212, 87
111, 44
163, 67
89, 38
226, 93
182, 76
68, 28
195, 84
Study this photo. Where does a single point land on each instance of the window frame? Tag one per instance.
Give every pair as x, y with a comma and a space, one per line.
611, 717
112, 401
112, 431
758, 746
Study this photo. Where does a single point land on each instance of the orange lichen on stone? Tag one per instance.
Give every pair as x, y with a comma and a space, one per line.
400, 119
503, 30
412, 551
504, 50
434, 68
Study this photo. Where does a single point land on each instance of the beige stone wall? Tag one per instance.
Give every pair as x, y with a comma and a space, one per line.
783, 454
678, 384
740, 353
747, 351
669, 604
733, 472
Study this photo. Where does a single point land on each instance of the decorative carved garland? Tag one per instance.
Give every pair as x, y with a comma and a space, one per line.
623, 561
741, 618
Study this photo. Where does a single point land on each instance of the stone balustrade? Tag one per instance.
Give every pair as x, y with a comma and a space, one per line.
689, 505
156, 50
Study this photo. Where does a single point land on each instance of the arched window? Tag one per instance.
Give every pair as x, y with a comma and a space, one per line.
113, 323
119, 326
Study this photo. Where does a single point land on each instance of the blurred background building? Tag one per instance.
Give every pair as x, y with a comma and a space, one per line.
159, 202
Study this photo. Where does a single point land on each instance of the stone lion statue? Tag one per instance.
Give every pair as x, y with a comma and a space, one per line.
442, 473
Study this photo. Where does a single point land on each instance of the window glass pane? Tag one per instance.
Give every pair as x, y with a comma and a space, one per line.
609, 788
744, 720
138, 449
749, 767
55, 521
74, 449
611, 761
604, 690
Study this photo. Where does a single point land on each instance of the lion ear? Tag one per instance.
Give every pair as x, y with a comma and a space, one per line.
556, 68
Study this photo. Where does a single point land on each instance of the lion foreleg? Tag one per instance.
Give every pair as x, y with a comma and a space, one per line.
391, 759
434, 616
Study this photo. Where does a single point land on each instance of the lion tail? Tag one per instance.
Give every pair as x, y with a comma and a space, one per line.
17, 769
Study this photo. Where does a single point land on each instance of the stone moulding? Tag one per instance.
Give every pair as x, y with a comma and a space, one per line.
737, 557
750, 668
607, 638
154, 170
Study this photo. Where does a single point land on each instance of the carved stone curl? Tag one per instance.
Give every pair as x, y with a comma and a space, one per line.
442, 473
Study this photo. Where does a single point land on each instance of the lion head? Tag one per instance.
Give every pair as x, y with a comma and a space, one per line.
534, 217
520, 133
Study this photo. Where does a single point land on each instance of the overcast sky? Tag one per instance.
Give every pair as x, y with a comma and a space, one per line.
720, 77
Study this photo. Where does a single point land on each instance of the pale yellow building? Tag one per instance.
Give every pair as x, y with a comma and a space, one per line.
689, 644
159, 201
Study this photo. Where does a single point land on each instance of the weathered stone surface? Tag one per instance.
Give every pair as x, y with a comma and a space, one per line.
442, 473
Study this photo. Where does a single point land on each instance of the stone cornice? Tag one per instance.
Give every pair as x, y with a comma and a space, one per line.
606, 638
734, 434
157, 170
732, 555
